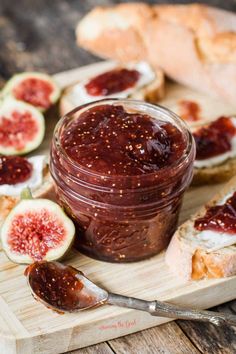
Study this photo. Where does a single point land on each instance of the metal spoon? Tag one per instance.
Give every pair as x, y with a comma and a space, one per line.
65, 289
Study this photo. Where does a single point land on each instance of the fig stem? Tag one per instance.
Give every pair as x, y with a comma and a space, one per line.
26, 194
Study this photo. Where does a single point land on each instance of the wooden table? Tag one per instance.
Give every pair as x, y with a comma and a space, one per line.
39, 35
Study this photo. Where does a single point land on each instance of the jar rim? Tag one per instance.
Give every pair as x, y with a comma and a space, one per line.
164, 112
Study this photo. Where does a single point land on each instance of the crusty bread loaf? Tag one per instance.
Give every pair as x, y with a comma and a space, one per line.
189, 260
116, 32
194, 44
46, 190
152, 93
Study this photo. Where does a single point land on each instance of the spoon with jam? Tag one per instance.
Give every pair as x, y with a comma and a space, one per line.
65, 289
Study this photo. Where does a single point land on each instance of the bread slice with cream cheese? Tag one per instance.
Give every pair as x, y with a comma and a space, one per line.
192, 255
149, 88
216, 174
43, 189
221, 166
198, 110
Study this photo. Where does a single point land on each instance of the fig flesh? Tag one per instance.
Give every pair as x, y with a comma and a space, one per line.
22, 127
34, 88
36, 230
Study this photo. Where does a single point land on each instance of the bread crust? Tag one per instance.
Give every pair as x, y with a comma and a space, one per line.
104, 26
213, 265
187, 260
216, 174
194, 44
152, 93
220, 48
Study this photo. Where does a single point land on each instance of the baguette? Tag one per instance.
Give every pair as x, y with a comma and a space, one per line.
46, 190
194, 44
152, 92
189, 259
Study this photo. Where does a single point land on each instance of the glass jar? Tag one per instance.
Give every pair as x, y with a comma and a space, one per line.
122, 218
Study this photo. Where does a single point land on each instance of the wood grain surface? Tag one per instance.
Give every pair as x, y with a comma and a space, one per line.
39, 35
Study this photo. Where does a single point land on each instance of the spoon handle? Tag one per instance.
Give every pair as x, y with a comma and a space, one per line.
164, 309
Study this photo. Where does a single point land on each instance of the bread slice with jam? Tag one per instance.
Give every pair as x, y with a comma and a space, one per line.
215, 151
215, 174
149, 86
194, 255
44, 190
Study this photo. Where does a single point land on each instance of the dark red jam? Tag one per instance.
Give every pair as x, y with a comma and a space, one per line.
112, 81
214, 139
189, 110
34, 91
111, 141
57, 285
120, 174
220, 218
14, 169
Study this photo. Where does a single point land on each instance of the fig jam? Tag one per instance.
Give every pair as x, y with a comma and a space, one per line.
109, 140
61, 287
56, 285
214, 139
113, 81
219, 218
14, 169
34, 91
120, 169
189, 110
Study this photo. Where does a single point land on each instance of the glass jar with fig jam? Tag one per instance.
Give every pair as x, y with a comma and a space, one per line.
120, 168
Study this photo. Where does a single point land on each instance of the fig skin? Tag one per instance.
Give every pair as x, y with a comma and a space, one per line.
29, 205
18, 78
10, 105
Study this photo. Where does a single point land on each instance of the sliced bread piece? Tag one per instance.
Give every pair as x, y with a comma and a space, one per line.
191, 257
217, 140
151, 92
45, 190
216, 174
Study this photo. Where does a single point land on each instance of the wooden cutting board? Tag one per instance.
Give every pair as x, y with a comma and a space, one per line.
28, 327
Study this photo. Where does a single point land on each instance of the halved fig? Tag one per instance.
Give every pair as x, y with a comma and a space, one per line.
35, 230
22, 127
34, 88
